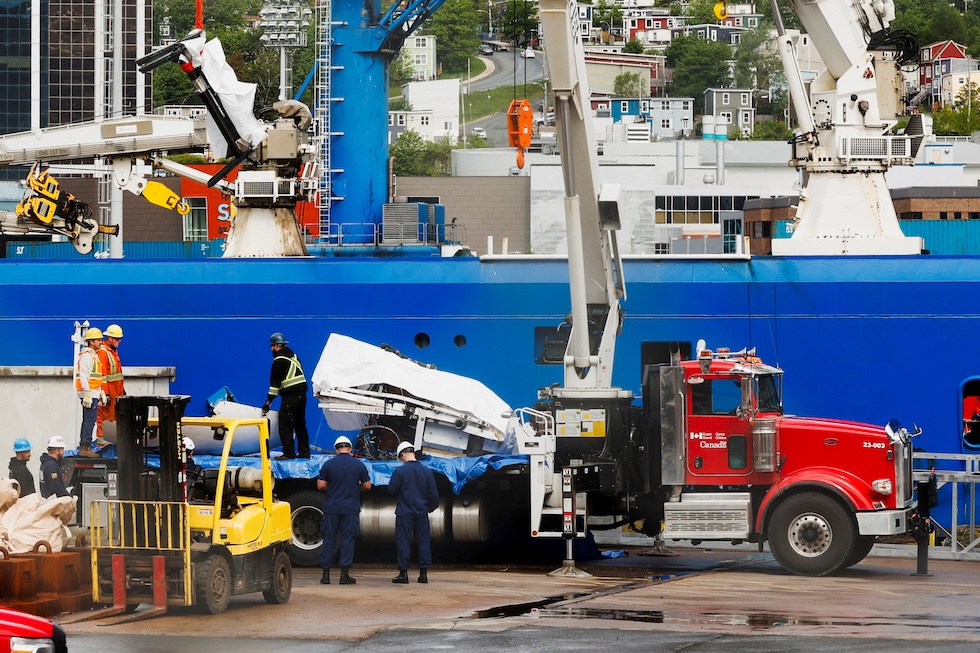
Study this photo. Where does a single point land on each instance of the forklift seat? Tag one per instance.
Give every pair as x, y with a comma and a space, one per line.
228, 499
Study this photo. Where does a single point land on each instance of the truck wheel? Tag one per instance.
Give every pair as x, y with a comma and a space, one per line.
213, 582
307, 518
812, 534
861, 550
282, 580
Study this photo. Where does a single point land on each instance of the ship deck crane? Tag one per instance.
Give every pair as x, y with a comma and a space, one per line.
844, 144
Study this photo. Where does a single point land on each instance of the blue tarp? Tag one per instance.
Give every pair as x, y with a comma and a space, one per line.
459, 471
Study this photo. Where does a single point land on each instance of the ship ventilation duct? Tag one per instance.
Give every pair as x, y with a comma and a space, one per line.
679, 162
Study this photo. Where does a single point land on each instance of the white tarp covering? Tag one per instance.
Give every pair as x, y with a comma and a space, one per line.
236, 97
349, 363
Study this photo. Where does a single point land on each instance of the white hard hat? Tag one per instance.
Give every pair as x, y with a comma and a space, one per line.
57, 442
342, 441
188, 444
403, 446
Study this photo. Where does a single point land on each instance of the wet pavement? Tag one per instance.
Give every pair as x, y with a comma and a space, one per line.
700, 600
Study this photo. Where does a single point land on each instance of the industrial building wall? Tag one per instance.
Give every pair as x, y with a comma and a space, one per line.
484, 206
142, 221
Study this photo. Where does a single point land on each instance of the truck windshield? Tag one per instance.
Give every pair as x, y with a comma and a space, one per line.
768, 390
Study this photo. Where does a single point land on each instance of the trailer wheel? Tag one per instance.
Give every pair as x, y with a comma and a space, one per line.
307, 518
213, 583
812, 534
861, 550
282, 580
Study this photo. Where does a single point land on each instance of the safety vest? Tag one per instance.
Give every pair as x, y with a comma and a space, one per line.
294, 375
94, 373
111, 367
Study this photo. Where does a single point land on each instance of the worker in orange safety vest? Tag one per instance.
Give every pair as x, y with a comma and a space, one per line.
112, 379
88, 386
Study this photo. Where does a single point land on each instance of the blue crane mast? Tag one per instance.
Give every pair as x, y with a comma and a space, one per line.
356, 43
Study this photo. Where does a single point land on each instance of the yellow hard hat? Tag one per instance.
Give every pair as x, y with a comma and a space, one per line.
93, 334
113, 331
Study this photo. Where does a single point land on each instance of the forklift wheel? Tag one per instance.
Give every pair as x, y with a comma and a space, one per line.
213, 583
282, 580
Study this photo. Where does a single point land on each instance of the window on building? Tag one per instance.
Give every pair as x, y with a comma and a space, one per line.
424, 120
391, 119
746, 118
736, 38
714, 35
762, 229
686, 105
753, 22
401, 119
726, 98
914, 215
943, 215
957, 215
196, 221
665, 105
624, 106
745, 99
726, 116
665, 123
645, 106
420, 42
420, 59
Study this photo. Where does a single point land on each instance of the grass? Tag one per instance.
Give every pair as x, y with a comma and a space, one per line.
480, 104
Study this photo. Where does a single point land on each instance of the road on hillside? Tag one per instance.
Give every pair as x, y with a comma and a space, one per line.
527, 75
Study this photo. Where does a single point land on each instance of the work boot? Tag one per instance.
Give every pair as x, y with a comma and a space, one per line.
401, 578
325, 578
423, 576
345, 578
86, 452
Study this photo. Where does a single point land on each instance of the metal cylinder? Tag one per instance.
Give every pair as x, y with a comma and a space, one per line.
470, 521
378, 519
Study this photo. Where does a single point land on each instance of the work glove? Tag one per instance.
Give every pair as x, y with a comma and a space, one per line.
87, 399
265, 408
103, 398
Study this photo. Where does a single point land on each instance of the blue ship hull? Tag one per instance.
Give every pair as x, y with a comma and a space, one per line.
866, 339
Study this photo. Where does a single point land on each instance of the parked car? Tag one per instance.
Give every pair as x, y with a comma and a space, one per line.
478, 132
20, 631
486, 50
527, 53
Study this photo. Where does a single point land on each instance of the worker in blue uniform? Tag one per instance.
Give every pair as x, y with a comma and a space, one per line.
415, 487
344, 477
52, 478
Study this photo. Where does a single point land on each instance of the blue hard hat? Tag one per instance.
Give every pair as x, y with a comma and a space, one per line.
21, 444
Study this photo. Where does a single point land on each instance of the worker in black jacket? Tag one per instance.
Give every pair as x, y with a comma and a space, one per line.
52, 481
288, 383
18, 467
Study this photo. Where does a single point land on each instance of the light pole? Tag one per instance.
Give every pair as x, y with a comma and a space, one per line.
284, 24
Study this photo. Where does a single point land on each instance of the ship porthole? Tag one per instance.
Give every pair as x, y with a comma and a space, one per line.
460, 341
421, 340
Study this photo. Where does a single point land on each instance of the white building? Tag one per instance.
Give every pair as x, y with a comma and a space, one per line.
438, 102
421, 51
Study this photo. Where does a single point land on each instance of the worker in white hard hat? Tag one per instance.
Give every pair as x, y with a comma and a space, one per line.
112, 379
415, 487
52, 478
88, 386
194, 472
344, 477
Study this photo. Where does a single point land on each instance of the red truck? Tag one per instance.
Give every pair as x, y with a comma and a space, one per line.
25, 633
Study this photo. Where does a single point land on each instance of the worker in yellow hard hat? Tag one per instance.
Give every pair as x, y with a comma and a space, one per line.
88, 386
112, 379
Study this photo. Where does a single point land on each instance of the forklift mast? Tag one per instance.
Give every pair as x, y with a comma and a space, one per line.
137, 438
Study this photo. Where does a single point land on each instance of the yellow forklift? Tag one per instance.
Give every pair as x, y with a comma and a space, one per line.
166, 540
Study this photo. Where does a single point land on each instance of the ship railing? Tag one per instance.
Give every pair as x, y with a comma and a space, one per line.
350, 233
961, 473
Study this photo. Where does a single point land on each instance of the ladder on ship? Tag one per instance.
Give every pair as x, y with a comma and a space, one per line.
324, 131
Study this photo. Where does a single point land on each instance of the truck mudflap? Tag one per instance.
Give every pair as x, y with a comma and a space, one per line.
883, 522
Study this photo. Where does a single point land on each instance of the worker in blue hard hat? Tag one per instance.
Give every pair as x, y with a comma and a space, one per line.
18, 467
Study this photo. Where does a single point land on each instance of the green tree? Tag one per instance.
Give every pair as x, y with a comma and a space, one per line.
633, 46
771, 130
607, 15
519, 23
698, 64
455, 27
963, 117
701, 12
401, 71
408, 153
627, 85
757, 65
